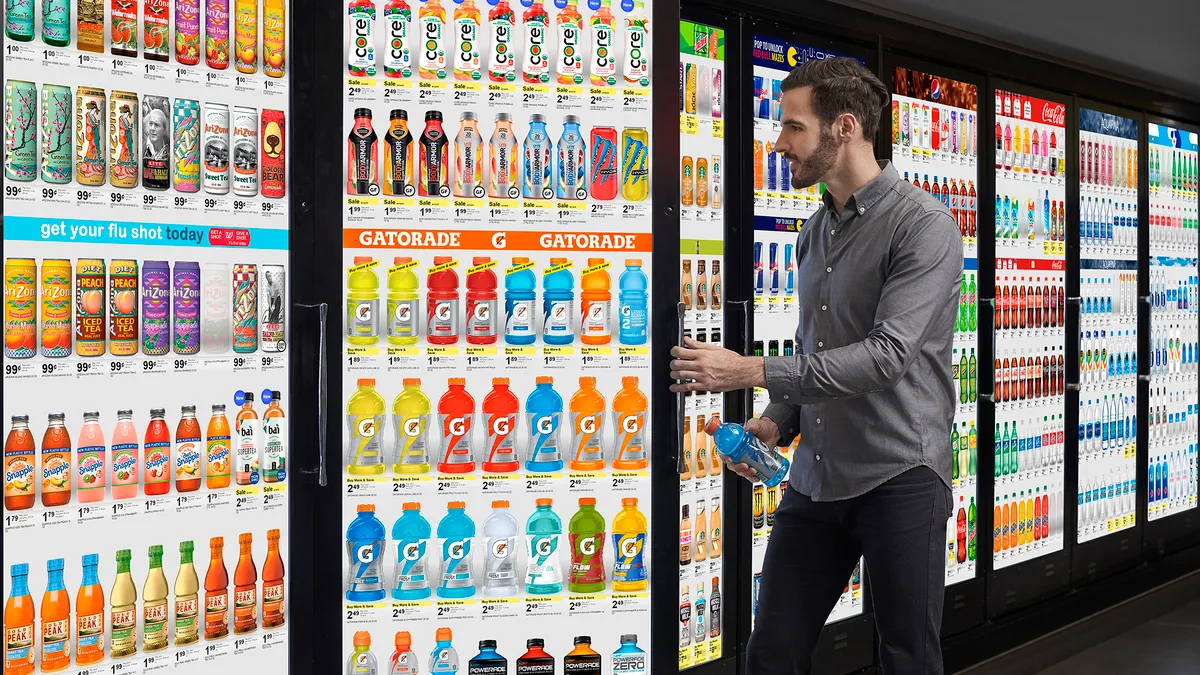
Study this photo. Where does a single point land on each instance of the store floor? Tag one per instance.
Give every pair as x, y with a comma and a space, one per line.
1167, 645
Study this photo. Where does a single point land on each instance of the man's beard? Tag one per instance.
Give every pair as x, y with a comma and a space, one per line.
818, 164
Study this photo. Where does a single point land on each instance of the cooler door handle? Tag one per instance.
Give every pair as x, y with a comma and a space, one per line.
322, 388
680, 398
747, 350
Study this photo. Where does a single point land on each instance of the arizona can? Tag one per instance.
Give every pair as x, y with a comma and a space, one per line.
215, 176
89, 307
156, 142
635, 164
272, 307
245, 308
20, 308
56, 134
90, 154
273, 158
20, 134
185, 145
122, 139
122, 307
245, 151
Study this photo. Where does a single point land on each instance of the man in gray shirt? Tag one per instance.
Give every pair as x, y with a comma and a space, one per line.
868, 391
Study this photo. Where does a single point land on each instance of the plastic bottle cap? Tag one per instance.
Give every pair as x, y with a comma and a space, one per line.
713, 424
487, 644
544, 501
20, 570
272, 535
444, 635
500, 504
535, 642
366, 382
362, 112
360, 259
456, 505
557, 261
400, 260
587, 381
125, 555
544, 379
412, 381
457, 382
362, 639
215, 542
500, 381
398, 114
249, 399
595, 261
366, 508
411, 506
243, 538
583, 640
439, 259
519, 260
57, 564
629, 501
629, 637
587, 501
480, 259
93, 559
629, 381
403, 640
633, 262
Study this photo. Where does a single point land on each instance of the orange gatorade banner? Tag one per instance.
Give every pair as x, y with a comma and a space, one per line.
496, 240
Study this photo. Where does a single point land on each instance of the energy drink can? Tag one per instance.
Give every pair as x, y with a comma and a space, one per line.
505, 162
772, 504
273, 158
156, 142
604, 163
185, 145
397, 156
20, 139
272, 305
718, 92
89, 307
216, 149
572, 161
776, 99
123, 132
245, 308
434, 152
704, 91
123, 307
759, 517
245, 151
185, 308
537, 149
57, 134
361, 156
690, 76
772, 168
156, 307
90, 134
761, 102
635, 164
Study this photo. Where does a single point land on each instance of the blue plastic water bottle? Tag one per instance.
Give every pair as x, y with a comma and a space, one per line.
456, 533
411, 533
364, 545
544, 408
558, 305
741, 447
629, 659
634, 300
520, 294
543, 530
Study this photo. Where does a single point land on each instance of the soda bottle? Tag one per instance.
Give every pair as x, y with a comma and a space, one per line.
503, 24
466, 36
572, 160
364, 417
502, 149
595, 300
274, 434
247, 424
362, 156
520, 293
411, 532
433, 151
637, 54
158, 455
536, 67
456, 414
154, 604
481, 301
604, 29
187, 451
634, 301
544, 407
487, 660
583, 659
432, 60
362, 661
398, 155
19, 642
89, 615
501, 408
443, 658
245, 587
587, 422
558, 303
629, 410
586, 537
19, 454
629, 543
217, 462
56, 620
410, 423
468, 155
734, 442
216, 592
360, 60
441, 301
456, 532
362, 302
56, 463
535, 659
364, 546
500, 540
187, 593
542, 532
537, 149
402, 307
629, 659
403, 661
123, 610
570, 33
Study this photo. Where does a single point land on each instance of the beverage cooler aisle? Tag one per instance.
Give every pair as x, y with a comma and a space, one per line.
1030, 333
1171, 486
496, 359
702, 255
779, 213
147, 253
1108, 351
934, 146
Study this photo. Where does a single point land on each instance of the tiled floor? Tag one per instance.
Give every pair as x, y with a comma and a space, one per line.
1168, 645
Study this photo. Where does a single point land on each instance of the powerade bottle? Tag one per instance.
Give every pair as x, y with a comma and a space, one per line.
583, 660
455, 533
443, 658
629, 659
520, 294
500, 546
364, 545
535, 659
734, 442
411, 534
558, 303
544, 408
487, 661
634, 301
543, 575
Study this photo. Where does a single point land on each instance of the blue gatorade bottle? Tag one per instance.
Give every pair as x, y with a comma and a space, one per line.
411, 533
558, 303
734, 442
455, 534
520, 296
544, 408
634, 302
629, 659
543, 530
364, 545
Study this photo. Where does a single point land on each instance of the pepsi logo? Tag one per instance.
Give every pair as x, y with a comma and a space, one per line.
935, 89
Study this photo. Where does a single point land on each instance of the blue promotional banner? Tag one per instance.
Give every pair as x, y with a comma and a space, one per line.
777, 224
70, 230
784, 55
1170, 137
1107, 124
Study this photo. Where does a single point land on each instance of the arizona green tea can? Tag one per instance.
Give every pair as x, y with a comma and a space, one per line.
20, 135
90, 134
57, 134
123, 164
185, 145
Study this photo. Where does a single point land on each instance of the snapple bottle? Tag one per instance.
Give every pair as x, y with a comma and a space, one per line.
90, 478
187, 451
56, 463
19, 454
158, 454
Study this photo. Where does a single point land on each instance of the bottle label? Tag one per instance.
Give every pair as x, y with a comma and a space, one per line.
519, 320
154, 623
570, 66
124, 630
456, 563
158, 462
56, 645
587, 664
18, 473
366, 563
442, 319
18, 646
637, 70
604, 67
187, 611
501, 569
630, 437
633, 323
481, 318
360, 318
410, 431
433, 55
274, 453
397, 58
91, 467
502, 65
366, 439
272, 603
543, 560
247, 451
187, 459
361, 58
594, 322
628, 549
402, 318
558, 322
410, 564
477, 666
218, 458
535, 665
587, 436
245, 608
457, 432
587, 558
629, 664
502, 439
543, 430
216, 613
466, 54
537, 62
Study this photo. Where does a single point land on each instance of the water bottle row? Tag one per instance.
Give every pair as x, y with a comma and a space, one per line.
1172, 419
1106, 298
1173, 226
1029, 445
1107, 356
1173, 351
1107, 424
1172, 478
1106, 498
1173, 292
1108, 223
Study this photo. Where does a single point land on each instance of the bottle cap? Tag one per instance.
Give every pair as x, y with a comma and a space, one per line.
629, 637
685, 510
411, 506
185, 410
398, 114
595, 261
154, 412
25, 418
57, 564
401, 259
366, 382
439, 259
276, 396
587, 381
587, 501
360, 259
411, 381
633, 262
433, 115
544, 379
480, 259
243, 538
487, 644
557, 261
503, 117
93, 413
535, 642
215, 542
456, 505
536, 118
457, 382
249, 397
184, 547
570, 119
403, 640
362, 112
93, 559
218, 408
500, 381
366, 508
500, 504
629, 381
544, 501
362, 639
469, 116
714, 423
629, 501
124, 555
583, 640
444, 635
20, 570
519, 260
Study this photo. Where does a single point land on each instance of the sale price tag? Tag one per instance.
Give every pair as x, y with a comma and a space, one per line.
127, 667
91, 512
274, 639
365, 612
57, 517
456, 609
500, 608
626, 603
419, 610
19, 370
535, 606
155, 662
247, 499
187, 655
217, 651
244, 644
217, 80
218, 499
189, 76
454, 484
20, 520
625, 481
542, 482
586, 482
406, 487
585, 605
274, 496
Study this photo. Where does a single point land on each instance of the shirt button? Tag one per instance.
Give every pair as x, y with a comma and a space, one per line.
820, 344
828, 269
824, 308
818, 458
818, 420
861, 210
833, 232
786, 397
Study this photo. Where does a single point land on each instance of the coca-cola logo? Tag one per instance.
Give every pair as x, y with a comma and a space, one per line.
1055, 114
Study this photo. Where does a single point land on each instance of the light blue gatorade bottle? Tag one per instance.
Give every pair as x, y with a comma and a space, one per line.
544, 408
411, 533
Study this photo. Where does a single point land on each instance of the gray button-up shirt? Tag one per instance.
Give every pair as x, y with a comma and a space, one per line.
869, 388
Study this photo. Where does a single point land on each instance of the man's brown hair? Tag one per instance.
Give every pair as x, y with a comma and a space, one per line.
841, 85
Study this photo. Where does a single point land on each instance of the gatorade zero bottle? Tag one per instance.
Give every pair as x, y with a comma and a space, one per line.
500, 409
456, 412
442, 302
481, 302
362, 156
434, 152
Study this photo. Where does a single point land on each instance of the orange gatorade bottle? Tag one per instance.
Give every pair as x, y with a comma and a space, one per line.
629, 410
587, 421
596, 300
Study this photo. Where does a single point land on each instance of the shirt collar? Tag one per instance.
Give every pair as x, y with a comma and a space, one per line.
870, 194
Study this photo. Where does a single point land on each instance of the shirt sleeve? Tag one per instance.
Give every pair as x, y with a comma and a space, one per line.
787, 418
923, 280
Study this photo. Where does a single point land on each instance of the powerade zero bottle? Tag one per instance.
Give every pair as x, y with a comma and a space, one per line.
629, 659
364, 546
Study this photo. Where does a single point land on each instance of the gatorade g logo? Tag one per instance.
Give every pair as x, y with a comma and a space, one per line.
404, 312
442, 311
366, 427
502, 425
361, 658
362, 312
544, 547
500, 549
587, 546
481, 313
631, 424
631, 547
456, 426
412, 427
365, 554
589, 424
456, 550
413, 551
546, 425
